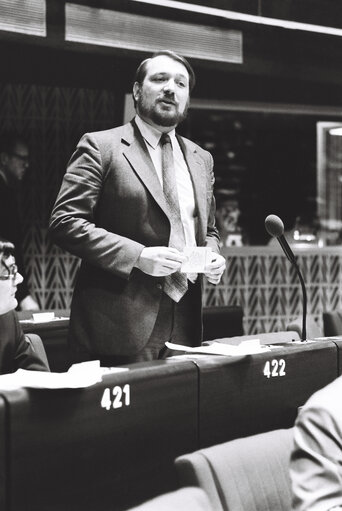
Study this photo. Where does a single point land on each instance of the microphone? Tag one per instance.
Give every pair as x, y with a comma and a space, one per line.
275, 228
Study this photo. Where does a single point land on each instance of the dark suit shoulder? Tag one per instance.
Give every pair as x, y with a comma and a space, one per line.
110, 135
108, 140
196, 148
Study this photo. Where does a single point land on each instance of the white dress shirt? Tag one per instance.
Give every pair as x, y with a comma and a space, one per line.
185, 189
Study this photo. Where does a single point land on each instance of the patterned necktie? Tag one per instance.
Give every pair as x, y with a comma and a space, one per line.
176, 284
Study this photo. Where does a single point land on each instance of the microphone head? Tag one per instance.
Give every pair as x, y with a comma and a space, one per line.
274, 226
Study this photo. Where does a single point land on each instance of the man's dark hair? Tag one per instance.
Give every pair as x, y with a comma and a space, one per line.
142, 69
9, 140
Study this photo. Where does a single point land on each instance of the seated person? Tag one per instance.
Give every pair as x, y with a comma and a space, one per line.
15, 350
316, 462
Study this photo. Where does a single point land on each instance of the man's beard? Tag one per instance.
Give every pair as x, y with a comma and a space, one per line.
161, 117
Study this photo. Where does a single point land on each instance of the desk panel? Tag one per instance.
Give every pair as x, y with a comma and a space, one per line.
3, 456
70, 453
257, 393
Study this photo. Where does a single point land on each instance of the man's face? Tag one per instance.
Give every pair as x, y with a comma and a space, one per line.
15, 163
163, 97
8, 286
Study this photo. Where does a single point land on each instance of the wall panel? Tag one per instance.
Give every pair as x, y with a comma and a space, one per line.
52, 119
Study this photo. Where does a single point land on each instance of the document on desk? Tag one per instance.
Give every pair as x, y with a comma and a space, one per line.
249, 347
78, 376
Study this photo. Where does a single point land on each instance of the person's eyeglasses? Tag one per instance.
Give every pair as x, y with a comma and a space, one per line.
9, 273
24, 159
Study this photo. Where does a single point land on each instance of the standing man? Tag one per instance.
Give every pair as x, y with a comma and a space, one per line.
14, 162
132, 198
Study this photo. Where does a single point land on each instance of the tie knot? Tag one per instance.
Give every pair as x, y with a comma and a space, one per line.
165, 139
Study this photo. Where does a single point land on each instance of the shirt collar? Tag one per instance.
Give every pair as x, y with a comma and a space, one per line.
151, 134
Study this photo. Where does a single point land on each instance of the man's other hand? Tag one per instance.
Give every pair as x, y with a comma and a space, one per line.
214, 270
160, 261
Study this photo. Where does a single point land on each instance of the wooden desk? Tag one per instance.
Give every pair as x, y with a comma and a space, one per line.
67, 452
63, 450
260, 392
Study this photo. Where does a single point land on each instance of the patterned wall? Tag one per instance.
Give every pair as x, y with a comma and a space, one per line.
265, 284
52, 119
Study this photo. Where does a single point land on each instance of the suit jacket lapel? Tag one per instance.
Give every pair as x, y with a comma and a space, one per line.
139, 158
198, 175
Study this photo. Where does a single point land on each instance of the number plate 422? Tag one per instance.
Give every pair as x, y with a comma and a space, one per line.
274, 368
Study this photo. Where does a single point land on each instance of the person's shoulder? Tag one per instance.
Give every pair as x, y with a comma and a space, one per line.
107, 134
327, 398
9, 324
195, 148
108, 139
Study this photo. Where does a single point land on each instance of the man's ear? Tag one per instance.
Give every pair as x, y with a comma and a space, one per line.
136, 90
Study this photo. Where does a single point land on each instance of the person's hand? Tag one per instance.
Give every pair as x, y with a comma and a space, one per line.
215, 268
28, 304
160, 261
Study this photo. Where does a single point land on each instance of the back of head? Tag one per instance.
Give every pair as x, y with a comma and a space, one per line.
14, 157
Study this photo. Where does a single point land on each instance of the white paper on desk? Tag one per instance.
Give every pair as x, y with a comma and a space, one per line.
43, 317
37, 322
217, 348
78, 376
198, 259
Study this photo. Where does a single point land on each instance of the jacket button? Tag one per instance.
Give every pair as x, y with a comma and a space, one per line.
159, 286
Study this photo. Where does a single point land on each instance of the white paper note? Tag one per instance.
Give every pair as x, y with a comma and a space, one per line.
198, 259
78, 376
249, 347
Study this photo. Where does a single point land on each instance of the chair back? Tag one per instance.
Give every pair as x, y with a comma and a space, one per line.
222, 321
332, 323
38, 347
247, 474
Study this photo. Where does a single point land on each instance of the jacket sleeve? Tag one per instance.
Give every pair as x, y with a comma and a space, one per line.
316, 461
25, 357
212, 237
72, 223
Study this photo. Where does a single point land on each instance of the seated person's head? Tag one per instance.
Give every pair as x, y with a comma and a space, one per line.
14, 157
9, 277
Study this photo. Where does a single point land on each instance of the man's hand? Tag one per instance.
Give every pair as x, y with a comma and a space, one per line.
160, 261
215, 268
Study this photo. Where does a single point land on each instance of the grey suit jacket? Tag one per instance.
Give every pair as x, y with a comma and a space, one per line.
316, 463
109, 208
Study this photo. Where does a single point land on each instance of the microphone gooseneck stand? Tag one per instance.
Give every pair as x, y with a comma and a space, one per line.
275, 227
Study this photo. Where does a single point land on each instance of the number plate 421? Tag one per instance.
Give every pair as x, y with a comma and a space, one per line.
275, 368
117, 397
